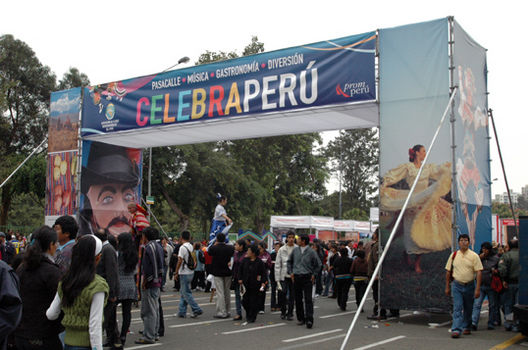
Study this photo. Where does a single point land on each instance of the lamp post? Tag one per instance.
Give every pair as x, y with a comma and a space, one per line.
184, 59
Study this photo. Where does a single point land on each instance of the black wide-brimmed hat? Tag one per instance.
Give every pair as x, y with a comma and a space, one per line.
108, 164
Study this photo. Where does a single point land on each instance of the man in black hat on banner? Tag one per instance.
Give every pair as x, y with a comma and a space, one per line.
109, 184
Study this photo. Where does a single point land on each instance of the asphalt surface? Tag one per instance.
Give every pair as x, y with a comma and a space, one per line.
413, 330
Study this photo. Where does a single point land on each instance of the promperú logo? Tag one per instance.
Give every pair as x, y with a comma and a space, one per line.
353, 89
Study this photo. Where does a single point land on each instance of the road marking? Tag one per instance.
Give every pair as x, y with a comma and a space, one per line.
353, 301
198, 323
311, 335
254, 328
380, 343
339, 314
302, 345
144, 346
508, 342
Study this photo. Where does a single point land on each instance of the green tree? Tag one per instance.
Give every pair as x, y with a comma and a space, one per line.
356, 154
73, 78
25, 87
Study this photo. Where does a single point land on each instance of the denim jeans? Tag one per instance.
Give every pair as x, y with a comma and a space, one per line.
493, 300
186, 295
329, 282
286, 297
150, 312
510, 299
238, 301
463, 296
273, 302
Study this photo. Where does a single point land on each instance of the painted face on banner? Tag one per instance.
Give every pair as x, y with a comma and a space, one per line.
109, 204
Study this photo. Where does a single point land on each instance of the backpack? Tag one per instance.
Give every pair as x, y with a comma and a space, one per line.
191, 264
201, 257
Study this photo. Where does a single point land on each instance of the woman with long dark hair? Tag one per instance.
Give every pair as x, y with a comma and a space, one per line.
127, 263
39, 277
81, 295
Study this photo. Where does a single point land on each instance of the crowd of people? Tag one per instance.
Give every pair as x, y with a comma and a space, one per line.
70, 284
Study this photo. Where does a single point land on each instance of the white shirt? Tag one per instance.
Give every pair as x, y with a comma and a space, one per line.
219, 211
95, 323
183, 253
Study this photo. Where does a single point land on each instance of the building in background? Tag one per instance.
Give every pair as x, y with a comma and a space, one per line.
503, 198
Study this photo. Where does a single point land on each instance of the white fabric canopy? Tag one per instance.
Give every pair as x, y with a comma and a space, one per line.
321, 223
314, 119
316, 222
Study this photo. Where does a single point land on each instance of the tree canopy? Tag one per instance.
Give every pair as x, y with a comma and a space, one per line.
25, 88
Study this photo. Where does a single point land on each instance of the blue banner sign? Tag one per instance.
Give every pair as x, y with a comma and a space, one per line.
324, 73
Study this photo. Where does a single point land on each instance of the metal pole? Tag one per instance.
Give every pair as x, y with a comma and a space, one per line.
400, 216
454, 192
149, 177
340, 178
490, 113
24, 162
80, 151
155, 219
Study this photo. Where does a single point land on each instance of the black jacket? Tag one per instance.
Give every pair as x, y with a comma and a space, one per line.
10, 302
37, 289
488, 263
342, 265
221, 254
107, 268
252, 273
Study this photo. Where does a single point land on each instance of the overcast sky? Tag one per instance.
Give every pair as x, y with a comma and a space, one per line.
115, 40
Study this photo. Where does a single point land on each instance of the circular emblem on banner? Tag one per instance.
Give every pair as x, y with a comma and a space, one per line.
110, 111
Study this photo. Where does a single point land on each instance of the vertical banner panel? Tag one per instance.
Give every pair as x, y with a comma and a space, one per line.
414, 92
61, 174
61, 184
110, 181
472, 152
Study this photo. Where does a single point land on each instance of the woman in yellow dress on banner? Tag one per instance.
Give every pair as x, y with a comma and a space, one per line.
427, 219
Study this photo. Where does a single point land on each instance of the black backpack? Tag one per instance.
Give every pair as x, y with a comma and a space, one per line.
201, 257
191, 264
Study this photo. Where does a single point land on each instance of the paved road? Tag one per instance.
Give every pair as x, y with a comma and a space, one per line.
412, 330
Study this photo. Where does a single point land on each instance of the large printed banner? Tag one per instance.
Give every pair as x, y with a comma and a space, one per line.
324, 73
110, 181
473, 211
414, 88
61, 177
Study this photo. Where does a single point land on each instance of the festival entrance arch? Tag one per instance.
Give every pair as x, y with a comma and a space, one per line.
398, 79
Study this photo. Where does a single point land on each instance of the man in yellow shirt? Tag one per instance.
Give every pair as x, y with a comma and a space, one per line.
463, 266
